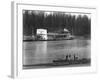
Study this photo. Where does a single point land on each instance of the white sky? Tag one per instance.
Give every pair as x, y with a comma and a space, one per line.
76, 14
69, 13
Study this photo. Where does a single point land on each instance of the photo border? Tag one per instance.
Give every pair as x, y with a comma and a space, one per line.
17, 37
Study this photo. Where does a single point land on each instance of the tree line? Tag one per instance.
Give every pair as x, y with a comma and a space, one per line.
77, 25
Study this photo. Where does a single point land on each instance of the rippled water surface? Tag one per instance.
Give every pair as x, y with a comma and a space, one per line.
38, 52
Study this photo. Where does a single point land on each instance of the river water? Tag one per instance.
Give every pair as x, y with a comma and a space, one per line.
41, 52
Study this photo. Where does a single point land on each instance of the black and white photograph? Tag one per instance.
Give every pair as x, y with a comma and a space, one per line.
56, 39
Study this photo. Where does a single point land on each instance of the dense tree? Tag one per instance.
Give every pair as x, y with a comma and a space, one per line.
77, 25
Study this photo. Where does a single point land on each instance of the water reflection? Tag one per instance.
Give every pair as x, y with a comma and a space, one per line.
39, 52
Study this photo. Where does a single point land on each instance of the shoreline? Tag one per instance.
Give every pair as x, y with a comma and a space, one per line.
41, 66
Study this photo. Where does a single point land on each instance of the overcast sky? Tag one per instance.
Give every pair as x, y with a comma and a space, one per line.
53, 12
